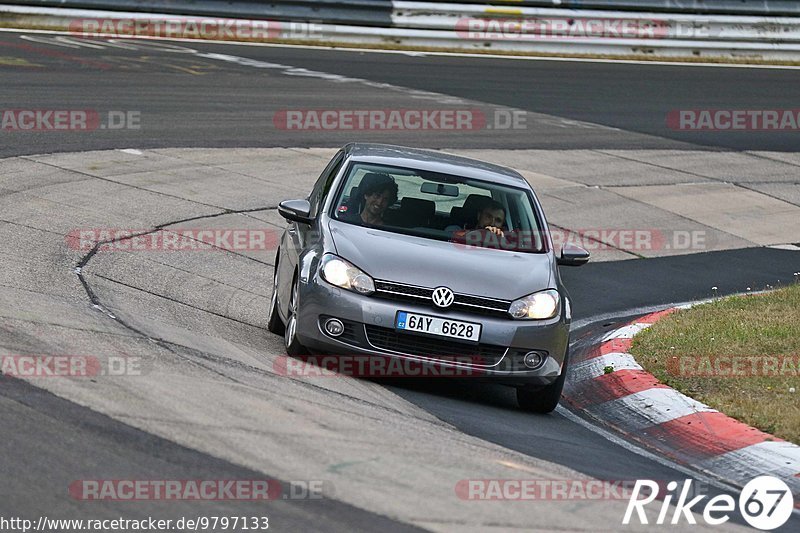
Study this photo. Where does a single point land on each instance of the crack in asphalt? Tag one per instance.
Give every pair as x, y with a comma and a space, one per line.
599, 241
232, 252
64, 326
65, 204
14, 287
11, 222
173, 300
739, 184
95, 300
109, 180
179, 269
233, 363
223, 169
195, 356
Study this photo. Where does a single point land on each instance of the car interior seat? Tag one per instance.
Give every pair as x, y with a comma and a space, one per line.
468, 213
414, 212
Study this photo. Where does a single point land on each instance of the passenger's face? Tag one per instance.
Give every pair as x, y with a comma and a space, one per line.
492, 217
375, 204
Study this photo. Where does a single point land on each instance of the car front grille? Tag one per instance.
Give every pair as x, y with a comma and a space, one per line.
350, 333
444, 350
423, 295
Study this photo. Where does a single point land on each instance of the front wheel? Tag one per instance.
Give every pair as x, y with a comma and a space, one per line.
545, 399
293, 346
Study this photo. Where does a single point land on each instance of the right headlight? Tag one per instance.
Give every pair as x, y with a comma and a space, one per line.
339, 272
537, 306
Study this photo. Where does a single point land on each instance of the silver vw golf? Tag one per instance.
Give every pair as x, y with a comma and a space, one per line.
426, 257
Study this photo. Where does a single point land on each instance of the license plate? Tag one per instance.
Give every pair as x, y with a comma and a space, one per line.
441, 327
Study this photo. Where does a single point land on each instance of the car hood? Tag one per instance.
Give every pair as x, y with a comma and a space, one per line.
429, 263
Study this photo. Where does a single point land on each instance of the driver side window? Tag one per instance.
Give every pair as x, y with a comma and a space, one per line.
324, 183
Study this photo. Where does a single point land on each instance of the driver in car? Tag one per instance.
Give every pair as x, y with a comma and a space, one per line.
492, 218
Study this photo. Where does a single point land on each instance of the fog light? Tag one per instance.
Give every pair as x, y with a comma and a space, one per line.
533, 360
334, 327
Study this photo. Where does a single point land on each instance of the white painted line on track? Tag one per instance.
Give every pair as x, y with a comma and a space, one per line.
646, 310
636, 311
416, 53
289, 70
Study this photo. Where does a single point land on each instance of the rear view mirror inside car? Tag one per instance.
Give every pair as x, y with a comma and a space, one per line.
439, 188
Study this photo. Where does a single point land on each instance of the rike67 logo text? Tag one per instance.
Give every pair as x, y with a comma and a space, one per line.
765, 503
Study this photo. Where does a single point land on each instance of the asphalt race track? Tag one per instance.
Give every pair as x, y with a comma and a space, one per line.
214, 102
207, 152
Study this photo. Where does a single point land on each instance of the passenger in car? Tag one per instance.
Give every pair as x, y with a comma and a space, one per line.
376, 193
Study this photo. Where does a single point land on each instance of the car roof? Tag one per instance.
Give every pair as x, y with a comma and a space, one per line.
431, 161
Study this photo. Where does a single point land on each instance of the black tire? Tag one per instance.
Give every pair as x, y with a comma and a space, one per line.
293, 346
543, 400
274, 322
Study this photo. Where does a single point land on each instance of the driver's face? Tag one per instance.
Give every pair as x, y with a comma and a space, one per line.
492, 217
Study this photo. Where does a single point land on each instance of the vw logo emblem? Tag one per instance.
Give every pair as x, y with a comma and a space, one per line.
443, 297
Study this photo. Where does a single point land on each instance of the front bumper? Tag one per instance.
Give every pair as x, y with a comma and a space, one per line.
368, 314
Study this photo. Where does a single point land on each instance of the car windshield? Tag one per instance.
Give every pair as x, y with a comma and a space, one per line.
439, 206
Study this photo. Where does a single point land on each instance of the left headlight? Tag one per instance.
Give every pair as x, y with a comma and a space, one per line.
339, 272
537, 306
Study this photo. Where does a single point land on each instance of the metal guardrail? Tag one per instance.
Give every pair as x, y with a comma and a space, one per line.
471, 27
376, 12
700, 7
360, 12
487, 23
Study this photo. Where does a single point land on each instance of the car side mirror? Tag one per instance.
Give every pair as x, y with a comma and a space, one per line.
573, 255
296, 211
